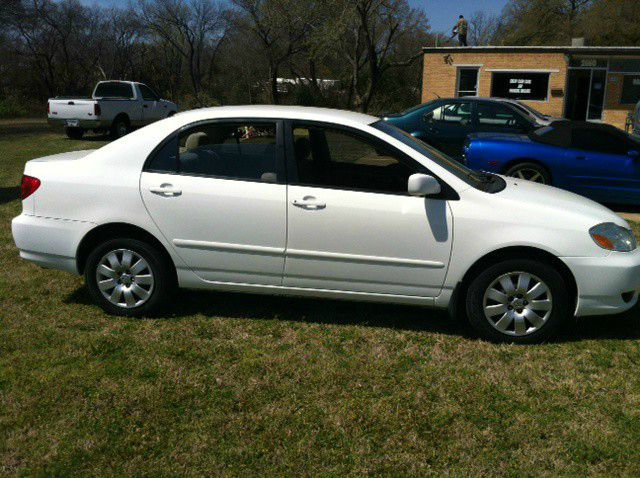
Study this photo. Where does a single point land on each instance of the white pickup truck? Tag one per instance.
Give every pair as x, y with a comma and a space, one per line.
114, 106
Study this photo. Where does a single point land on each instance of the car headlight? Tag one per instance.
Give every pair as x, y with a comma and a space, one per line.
612, 237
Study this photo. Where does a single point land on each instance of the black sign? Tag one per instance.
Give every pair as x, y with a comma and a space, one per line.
520, 85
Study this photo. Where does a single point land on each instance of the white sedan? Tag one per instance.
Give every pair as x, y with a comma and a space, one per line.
321, 203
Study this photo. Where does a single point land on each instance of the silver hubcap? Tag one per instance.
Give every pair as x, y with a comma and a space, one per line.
124, 278
122, 129
529, 175
517, 303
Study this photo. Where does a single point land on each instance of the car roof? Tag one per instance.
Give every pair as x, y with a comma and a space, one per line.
558, 133
279, 112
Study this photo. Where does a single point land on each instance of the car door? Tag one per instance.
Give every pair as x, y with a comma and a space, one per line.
601, 164
447, 125
493, 117
351, 224
152, 108
216, 191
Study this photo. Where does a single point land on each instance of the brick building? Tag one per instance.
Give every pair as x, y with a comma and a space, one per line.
576, 82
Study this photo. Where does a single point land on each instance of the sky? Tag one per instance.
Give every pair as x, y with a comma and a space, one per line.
442, 14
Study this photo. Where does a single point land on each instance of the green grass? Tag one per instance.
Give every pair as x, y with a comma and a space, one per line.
241, 385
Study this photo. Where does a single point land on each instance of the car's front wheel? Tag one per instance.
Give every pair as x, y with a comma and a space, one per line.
518, 301
128, 277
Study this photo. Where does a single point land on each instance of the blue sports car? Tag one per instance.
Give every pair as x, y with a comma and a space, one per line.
595, 160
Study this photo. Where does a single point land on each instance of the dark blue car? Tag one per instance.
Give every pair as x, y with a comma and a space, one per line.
446, 123
595, 160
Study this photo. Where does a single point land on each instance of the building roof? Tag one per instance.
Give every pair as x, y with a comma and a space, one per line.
570, 50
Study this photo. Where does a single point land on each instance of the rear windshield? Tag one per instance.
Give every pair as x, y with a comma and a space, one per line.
114, 89
556, 134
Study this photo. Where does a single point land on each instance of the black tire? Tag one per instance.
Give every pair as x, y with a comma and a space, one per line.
557, 317
74, 133
529, 171
163, 284
120, 127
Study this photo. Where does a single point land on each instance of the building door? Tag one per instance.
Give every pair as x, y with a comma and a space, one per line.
585, 94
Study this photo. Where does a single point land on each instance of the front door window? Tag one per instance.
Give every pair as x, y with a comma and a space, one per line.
333, 158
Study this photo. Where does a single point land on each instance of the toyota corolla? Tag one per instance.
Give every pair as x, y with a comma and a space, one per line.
321, 203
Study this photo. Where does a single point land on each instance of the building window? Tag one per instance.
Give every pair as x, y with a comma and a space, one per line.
630, 90
520, 85
467, 82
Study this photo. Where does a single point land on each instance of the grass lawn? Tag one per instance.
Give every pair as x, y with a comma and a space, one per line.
242, 385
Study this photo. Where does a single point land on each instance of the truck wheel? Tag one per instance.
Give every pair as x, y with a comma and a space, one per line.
74, 133
119, 128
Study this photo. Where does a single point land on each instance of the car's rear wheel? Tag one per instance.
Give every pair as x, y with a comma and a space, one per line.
74, 133
120, 127
530, 171
129, 277
518, 301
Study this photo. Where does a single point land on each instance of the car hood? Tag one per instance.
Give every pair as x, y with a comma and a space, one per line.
550, 203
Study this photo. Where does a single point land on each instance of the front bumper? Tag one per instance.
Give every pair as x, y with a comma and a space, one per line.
82, 123
606, 285
47, 242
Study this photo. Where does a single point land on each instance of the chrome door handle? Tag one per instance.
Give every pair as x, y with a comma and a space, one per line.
309, 202
166, 190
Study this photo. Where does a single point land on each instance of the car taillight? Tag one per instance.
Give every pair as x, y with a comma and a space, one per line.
96, 109
29, 186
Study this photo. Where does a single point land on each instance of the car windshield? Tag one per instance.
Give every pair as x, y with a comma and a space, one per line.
473, 178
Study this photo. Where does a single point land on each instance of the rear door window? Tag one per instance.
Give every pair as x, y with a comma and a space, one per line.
234, 150
452, 113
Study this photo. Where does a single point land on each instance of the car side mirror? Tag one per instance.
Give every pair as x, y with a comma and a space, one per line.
633, 154
428, 117
423, 185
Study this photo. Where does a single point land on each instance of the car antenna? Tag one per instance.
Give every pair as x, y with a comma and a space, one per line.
437, 95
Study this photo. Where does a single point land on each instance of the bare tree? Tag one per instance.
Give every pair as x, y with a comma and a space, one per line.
542, 22
380, 35
281, 28
483, 28
195, 29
